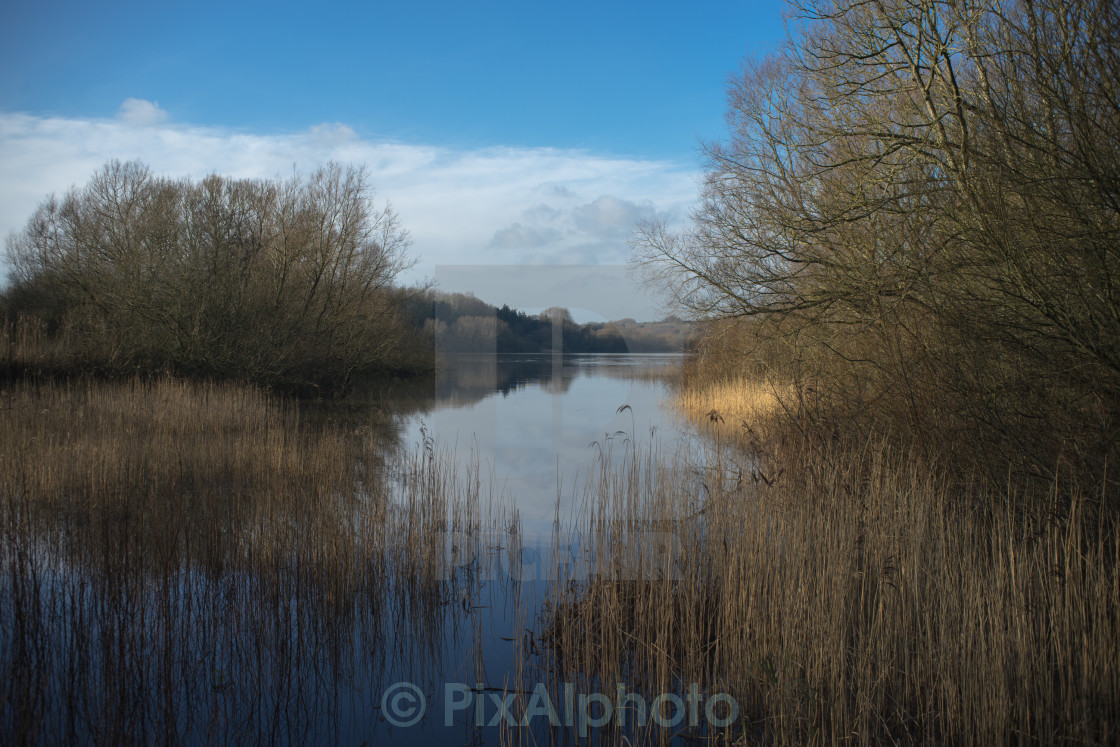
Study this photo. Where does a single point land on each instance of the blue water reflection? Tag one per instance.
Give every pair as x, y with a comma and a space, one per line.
533, 421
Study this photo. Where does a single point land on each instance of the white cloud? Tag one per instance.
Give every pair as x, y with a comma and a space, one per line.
589, 232
610, 217
484, 206
142, 112
518, 236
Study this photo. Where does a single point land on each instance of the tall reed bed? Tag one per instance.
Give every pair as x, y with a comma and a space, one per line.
185, 563
845, 595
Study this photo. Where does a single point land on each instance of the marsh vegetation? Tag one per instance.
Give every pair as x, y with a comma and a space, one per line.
841, 594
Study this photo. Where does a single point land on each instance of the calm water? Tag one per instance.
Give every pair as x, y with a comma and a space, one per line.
536, 422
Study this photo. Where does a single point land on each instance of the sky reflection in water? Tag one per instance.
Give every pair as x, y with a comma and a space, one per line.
534, 421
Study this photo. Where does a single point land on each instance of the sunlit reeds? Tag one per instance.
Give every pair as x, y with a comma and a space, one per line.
731, 405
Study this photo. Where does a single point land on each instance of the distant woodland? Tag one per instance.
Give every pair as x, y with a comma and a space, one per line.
462, 323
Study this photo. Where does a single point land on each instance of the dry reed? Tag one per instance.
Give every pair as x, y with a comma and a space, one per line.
854, 595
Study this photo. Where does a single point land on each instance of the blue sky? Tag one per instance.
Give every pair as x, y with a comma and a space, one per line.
503, 133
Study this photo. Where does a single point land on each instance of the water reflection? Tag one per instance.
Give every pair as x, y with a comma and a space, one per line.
534, 422
466, 379
257, 624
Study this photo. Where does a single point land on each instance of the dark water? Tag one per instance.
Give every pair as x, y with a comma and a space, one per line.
128, 638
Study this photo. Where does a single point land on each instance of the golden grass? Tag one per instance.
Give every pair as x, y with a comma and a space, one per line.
729, 405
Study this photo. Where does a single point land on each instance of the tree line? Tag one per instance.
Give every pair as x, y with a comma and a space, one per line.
463, 323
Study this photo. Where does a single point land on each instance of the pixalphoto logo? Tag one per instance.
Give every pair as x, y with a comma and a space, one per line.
403, 704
